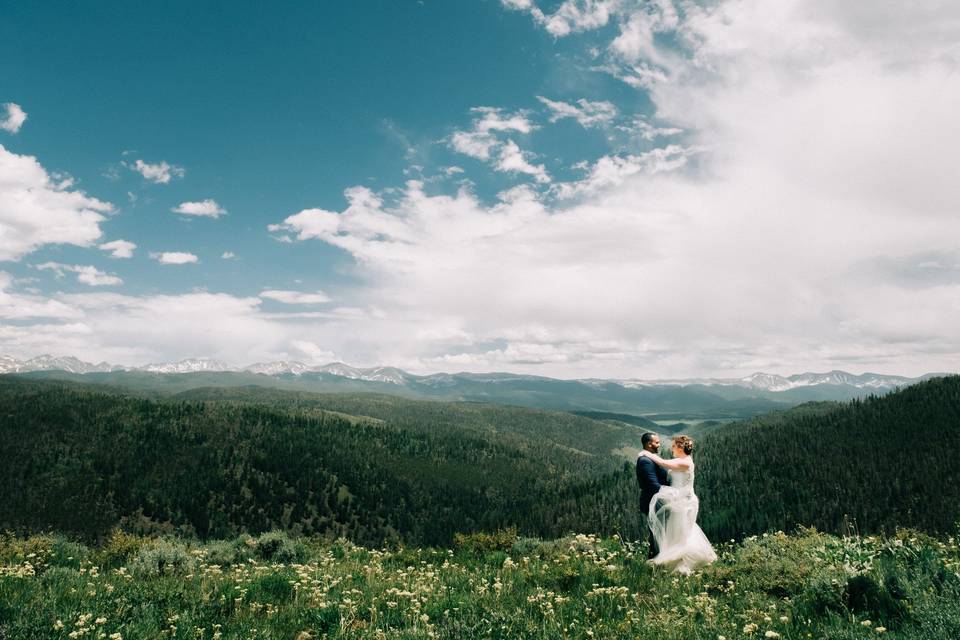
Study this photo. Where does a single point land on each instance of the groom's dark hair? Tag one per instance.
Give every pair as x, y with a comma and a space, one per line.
646, 438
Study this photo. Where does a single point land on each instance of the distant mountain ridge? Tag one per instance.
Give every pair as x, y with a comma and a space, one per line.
392, 375
667, 401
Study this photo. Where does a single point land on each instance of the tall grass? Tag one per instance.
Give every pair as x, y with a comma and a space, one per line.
807, 585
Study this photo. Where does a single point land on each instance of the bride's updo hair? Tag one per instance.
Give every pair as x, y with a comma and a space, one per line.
685, 443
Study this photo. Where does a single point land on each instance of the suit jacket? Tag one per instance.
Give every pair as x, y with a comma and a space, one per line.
650, 477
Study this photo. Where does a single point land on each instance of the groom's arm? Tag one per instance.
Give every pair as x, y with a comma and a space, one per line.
647, 473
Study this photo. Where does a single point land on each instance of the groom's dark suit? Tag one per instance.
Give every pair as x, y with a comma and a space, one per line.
650, 476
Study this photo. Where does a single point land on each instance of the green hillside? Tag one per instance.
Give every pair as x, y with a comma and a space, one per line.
216, 462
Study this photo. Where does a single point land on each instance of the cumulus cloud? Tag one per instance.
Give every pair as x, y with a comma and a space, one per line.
473, 144
21, 306
36, 208
228, 255
159, 173
611, 171
86, 274
513, 159
649, 132
206, 208
586, 113
14, 118
570, 17
505, 155
814, 230
174, 257
133, 330
295, 297
119, 248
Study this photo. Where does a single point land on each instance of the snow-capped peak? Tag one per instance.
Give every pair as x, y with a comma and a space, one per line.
47, 362
278, 367
390, 375
190, 365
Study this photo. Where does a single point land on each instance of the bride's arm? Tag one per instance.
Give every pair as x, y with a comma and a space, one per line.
679, 464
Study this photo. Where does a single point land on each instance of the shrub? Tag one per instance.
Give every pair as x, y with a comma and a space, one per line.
162, 557
120, 547
525, 546
865, 595
480, 543
229, 552
277, 546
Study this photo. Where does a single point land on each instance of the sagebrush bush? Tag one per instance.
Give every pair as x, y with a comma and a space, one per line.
120, 547
277, 546
479, 543
230, 552
162, 557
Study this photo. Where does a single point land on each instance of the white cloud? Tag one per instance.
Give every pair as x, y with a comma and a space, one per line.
38, 209
646, 131
512, 159
228, 255
611, 171
174, 257
489, 119
86, 274
586, 113
14, 118
505, 155
119, 248
133, 330
570, 17
295, 297
207, 208
474, 144
19, 306
160, 173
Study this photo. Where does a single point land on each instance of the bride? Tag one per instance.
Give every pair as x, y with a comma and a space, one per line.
673, 513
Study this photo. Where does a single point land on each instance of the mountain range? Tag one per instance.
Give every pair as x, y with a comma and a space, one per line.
666, 399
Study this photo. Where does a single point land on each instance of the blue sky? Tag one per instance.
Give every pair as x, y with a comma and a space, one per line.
587, 187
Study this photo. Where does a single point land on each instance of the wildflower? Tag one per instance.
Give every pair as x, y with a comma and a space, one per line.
58, 625
784, 619
748, 629
100, 620
116, 636
771, 634
880, 629
866, 623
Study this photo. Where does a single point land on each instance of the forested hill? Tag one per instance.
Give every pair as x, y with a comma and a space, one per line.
519, 426
372, 468
215, 462
875, 464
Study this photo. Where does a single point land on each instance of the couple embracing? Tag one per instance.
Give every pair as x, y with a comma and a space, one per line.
670, 506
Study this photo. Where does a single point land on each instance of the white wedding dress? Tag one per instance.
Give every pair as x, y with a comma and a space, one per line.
673, 521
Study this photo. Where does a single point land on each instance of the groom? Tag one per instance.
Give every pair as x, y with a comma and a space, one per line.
650, 477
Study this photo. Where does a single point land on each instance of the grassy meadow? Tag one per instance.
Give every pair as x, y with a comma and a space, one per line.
806, 585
